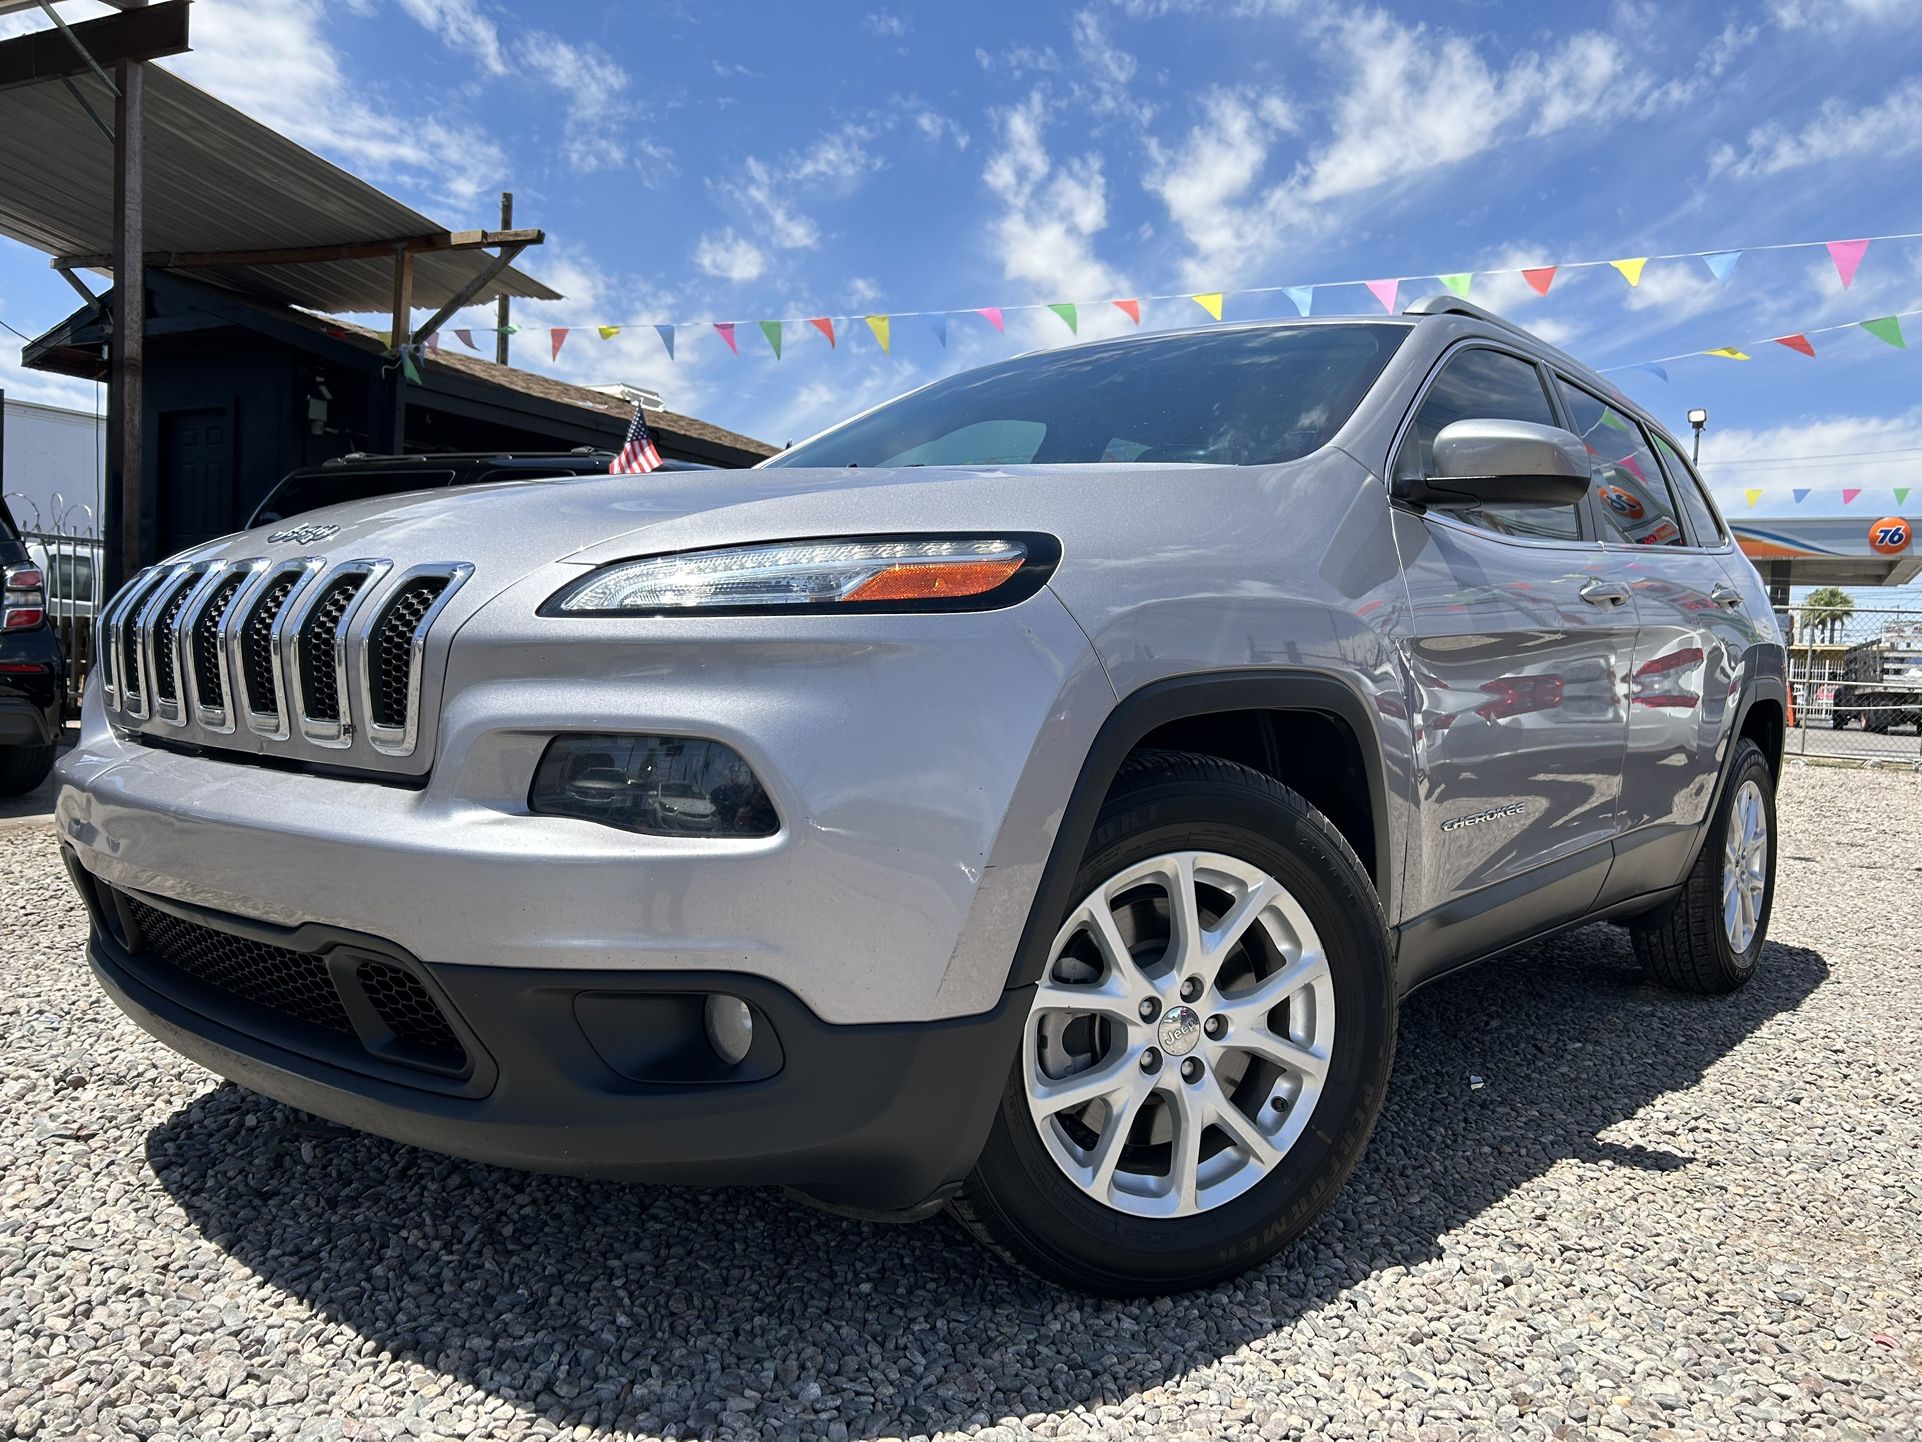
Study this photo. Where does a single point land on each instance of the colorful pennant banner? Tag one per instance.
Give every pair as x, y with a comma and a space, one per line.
1885, 328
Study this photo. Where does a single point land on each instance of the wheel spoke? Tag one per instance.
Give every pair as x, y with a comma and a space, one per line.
1218, 941
1124, 1107
1121, 964
1098, 1081
1184, 1160
1111, 997
1291, 1055
1249, 1009
1233, 1120
1185, 943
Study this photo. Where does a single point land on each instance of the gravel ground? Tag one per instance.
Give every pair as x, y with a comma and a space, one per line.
1591, 1210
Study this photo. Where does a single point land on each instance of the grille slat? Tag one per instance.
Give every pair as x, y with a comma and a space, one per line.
320, 649
131, 682
391, 668
257, 646
164, 633
206, 643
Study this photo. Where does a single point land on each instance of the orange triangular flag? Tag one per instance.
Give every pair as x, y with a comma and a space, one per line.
1131, 309
825, 325
1541, 278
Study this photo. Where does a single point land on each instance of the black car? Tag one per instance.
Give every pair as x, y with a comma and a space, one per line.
32, 668
359, 476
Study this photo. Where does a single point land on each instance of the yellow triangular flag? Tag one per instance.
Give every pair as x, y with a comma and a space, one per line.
1753, 497
1210, 302
1727, 352
1631, 269
879, 325
608, 332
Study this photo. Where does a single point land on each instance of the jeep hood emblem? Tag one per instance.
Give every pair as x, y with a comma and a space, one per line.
302, 535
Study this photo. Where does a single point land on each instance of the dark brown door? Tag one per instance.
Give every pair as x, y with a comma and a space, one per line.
196, 477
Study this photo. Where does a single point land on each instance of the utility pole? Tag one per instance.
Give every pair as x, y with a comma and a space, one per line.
126, 548
500, 306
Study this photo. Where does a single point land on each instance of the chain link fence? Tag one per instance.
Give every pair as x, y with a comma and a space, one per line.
74, 564
1856, 675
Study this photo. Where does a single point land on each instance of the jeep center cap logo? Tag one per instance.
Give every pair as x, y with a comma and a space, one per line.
1179, 1029
302, 535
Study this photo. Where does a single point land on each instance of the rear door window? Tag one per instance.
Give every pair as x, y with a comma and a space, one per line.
1703, 523
1630, 491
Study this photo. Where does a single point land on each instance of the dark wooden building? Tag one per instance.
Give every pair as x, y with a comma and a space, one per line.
239, 391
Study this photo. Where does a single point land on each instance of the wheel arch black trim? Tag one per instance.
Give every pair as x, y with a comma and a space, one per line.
1757, 686
1181, 698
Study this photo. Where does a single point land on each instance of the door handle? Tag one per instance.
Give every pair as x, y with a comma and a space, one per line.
1604, 593
1726, 595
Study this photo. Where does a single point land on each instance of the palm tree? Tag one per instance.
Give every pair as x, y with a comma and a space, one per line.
1828, 608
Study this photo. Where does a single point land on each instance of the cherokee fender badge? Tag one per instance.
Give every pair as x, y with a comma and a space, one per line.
1477, 818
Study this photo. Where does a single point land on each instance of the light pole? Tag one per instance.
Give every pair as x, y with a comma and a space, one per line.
1698, 418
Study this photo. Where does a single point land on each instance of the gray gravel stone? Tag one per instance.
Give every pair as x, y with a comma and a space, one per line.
1655, 1216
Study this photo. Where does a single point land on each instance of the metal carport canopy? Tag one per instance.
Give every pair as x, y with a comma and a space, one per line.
219, 181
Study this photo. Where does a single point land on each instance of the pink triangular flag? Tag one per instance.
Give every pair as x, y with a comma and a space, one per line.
1384, 291
1633, 467
467, 339
1847, 255
1848, 494
726, 328
559, 333
825, 325
1131, 309
433, 343
1541, 278
993, 314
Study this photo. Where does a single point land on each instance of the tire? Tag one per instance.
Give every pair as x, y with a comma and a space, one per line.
23, 767
1243, 832
1691, 945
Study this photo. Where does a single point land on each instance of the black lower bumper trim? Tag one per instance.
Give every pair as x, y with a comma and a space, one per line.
878, 1118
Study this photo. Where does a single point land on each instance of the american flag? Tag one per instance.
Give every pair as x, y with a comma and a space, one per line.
638, 455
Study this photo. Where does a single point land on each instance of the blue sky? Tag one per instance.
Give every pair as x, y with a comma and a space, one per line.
732, 161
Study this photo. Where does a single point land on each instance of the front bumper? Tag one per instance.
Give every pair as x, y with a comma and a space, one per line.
881, 1118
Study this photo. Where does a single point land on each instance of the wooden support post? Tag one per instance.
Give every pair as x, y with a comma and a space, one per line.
394, 441
129, 542
500, 306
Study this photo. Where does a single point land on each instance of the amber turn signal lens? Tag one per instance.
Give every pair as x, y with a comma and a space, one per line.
934, 580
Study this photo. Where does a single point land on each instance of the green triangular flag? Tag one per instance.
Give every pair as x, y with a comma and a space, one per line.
1458, 283
772, 330
1065, 309
408, 368
1610, 419
1901, 494
1887, 328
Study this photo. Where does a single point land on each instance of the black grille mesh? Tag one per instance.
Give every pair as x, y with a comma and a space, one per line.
410, 1013
290, 982
163, 640
320, 649
206, 639
257, 646
390, 664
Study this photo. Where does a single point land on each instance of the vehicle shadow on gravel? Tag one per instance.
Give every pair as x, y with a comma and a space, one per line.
696, 1313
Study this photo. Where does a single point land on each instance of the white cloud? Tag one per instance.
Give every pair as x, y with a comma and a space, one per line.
886, 23
1205, 181
1019, 60
461, 26
1837, 15
599, 115
731, 257
1889, 128
1051, 214
1734, 457
1106, 70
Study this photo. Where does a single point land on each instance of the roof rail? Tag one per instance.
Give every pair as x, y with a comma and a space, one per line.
1446, 304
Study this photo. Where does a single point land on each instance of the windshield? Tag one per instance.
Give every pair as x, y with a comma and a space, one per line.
1226, 397
310, 490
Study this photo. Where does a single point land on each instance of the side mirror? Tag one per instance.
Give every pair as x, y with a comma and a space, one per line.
1501, 463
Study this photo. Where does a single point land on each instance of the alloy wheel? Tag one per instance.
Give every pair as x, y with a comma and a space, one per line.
1745, 859
1180, 1038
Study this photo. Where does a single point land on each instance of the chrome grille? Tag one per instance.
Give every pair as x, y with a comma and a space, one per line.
294, 652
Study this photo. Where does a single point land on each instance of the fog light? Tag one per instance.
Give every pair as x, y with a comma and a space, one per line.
730, 1027
660, 785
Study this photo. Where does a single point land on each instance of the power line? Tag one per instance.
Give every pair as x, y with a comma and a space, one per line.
1821, 459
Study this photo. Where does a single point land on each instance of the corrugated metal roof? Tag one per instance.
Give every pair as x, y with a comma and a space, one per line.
217, 180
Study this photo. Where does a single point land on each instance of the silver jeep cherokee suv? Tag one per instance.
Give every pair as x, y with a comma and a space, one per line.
1031, 797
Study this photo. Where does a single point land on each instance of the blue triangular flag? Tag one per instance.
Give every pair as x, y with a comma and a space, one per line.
1721, 262
667, 338
1801, 493
1654, 370
1303, 296
940, 324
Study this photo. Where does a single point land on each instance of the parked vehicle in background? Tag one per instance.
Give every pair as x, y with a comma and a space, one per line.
32, 669
361, 477
73, 567
1032, 796
1881, 687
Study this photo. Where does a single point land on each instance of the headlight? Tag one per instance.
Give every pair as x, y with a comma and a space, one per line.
944, 573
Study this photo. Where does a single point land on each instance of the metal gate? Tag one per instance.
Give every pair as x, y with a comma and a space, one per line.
74, 564
1856, 675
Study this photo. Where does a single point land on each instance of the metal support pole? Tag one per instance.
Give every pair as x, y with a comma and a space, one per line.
127, 536
396, 442
500, 306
